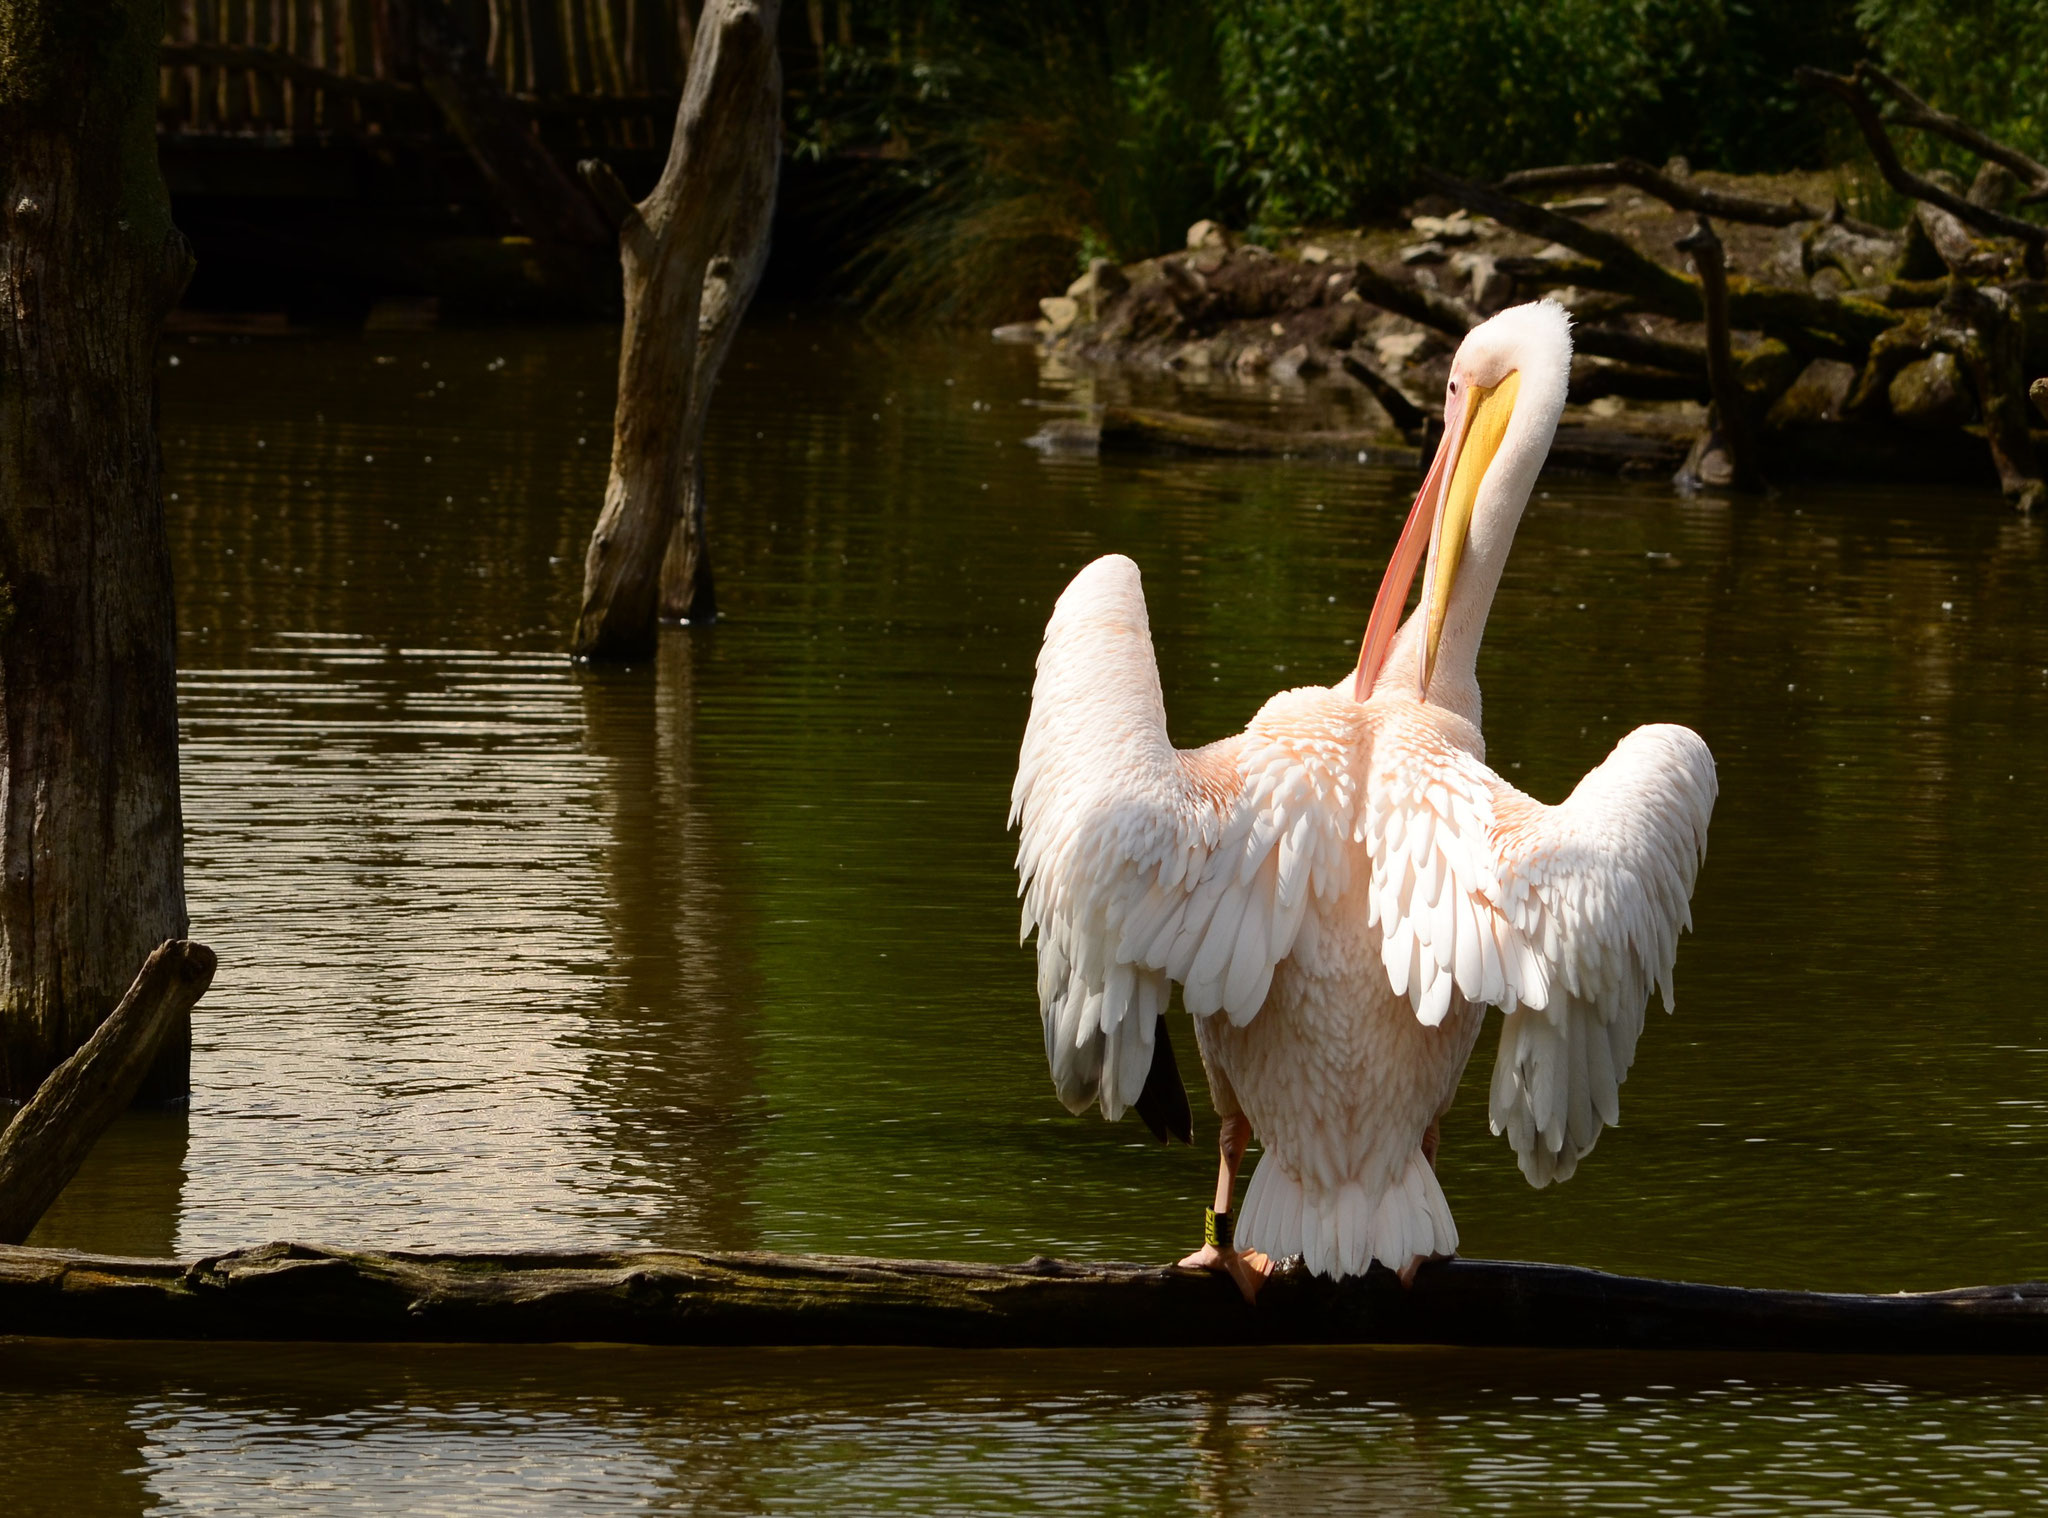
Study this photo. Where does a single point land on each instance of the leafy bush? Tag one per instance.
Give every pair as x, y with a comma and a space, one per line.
1336, 102
1984, 60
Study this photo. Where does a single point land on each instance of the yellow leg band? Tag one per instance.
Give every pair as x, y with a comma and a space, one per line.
1217, 1229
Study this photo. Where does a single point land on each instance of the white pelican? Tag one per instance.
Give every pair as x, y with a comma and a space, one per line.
1342, 889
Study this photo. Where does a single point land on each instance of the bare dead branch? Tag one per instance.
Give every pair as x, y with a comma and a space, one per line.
1850, 92
1912, 111
1731, 405
1682, 193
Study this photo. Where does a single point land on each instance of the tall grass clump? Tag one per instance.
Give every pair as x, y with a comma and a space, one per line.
1042, 133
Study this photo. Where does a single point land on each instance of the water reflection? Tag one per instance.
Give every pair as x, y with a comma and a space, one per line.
264, 1429
672, 1056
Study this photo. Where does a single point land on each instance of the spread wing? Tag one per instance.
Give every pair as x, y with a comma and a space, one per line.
1141, 864
1563, 916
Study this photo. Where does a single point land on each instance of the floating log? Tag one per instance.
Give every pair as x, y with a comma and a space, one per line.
304, 1292
1577, 449
1141, 429
55, 1130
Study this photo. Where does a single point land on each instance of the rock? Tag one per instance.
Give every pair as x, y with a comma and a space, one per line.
1195, 356
1019, 332
1102, 281
2039, 391
1490, 288
1103, 278
1993, 187
1251, 359
1862, 260
1453, 230
1399, 348
1299, 361
1423, 253
1061, 312
1678, 166
1816, 396
1556, 253
1208, 234
1313, 253
1829, 283
1351, 298
1608, 407
1930, 393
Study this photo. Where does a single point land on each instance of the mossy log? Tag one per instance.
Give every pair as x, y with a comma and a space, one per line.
307, 1293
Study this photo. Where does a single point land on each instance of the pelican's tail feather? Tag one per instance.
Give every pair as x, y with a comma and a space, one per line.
1340, 1232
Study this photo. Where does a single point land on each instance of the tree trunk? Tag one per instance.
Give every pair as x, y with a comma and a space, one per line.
719, 182
91, 852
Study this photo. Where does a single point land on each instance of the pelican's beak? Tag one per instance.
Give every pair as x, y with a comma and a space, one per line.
1441, 521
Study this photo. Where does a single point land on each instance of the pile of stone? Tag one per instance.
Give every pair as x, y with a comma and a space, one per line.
1794, 340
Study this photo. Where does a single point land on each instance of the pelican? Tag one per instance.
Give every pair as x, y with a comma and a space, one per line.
1342, 889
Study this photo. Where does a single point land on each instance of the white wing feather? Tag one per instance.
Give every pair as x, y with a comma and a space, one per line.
1140, 864
1564, 917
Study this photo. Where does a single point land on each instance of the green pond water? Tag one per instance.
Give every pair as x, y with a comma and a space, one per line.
721, 952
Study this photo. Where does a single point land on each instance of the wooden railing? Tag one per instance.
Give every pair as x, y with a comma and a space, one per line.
594, 73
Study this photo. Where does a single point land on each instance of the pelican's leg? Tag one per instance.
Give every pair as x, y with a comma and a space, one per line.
1431, 1136
1248, 1268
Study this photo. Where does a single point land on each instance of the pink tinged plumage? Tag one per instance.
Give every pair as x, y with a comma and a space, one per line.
1342, 871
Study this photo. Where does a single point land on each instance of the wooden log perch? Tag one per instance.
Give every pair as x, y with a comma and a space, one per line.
1684, 194
1731, 417
714, 197
55, 1130
309, 1293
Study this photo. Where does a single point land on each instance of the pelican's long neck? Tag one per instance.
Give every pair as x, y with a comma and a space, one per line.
1497, 511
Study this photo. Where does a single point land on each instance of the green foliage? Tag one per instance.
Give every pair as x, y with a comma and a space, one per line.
1014, 141
1335, 103
1984, 60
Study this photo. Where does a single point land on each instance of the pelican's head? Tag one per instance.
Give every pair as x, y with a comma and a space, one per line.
1501, 405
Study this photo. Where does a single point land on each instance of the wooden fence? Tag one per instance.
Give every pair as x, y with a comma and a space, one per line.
594, 73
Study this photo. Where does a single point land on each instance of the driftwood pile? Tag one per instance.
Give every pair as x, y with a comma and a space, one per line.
1880, 352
